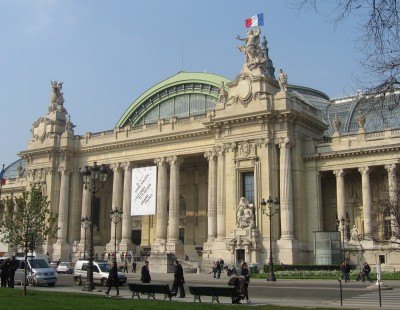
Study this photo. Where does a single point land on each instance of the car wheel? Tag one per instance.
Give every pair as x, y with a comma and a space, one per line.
78, 281
104, 282
70, 271
51, 284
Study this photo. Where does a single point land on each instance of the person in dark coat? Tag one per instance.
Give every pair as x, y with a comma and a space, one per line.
345, 269
113, 278
246, 274
179, 280
13, 266
134, 267
4, 272
145, 273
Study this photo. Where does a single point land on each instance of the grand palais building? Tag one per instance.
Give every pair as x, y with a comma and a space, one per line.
191, 160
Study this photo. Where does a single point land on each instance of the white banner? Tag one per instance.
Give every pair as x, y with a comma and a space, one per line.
144, 190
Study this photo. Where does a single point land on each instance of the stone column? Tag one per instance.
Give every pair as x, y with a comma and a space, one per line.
86, 204
393, 196
286, 189
126, 241
340, 197
63, 206
212, 195
173, 243
367, 206
162, 202
116, 203
221, 230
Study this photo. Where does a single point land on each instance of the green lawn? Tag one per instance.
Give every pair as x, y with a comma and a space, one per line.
14, 299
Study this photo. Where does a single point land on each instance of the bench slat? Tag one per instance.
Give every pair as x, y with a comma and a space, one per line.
150, 290
215, 292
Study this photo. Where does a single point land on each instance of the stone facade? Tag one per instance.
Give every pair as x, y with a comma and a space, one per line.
256, 126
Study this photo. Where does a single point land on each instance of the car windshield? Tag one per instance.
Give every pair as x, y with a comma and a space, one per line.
63, 264
105, 267
38, 263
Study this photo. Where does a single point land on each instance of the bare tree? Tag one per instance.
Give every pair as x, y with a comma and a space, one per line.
27, 222
378, 37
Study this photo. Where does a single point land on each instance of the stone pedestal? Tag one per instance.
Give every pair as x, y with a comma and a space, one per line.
175, 247
288, 251
161, 262
62, 251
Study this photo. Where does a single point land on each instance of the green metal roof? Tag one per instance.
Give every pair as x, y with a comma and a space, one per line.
157, 94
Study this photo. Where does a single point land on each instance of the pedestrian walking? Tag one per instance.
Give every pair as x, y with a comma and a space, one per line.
345, 269
145, 273
218, 269
246, 274
179, 280
366, 270
126, 267
134, 267
113, 278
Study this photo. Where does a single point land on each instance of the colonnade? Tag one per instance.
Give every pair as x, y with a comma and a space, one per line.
366, 196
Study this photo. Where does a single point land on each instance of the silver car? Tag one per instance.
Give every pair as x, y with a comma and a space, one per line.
38, 272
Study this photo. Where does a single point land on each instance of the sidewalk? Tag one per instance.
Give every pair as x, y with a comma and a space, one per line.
260, 293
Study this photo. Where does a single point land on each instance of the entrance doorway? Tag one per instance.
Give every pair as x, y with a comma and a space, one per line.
240, 256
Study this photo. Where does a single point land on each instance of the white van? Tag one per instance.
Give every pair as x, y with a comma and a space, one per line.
100, 273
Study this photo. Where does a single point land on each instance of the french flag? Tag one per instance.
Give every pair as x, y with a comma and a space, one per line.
256, 20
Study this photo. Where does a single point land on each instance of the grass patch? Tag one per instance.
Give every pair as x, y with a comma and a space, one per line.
14, 299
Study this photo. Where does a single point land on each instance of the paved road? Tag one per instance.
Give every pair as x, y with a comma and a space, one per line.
300, 293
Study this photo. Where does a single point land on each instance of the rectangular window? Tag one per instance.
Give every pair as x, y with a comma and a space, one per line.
248, 186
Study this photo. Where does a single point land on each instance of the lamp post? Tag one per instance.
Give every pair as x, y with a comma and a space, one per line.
85, 223
91, 175
2, 180
115, 216
342, 225
271, 212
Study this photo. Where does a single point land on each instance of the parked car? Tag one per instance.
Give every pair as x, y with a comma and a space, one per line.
39, 272
100, 273
65, 267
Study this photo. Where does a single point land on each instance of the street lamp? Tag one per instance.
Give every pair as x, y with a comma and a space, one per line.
2, 180
115, 216
342, 226
271, 212
85, 223
90, 176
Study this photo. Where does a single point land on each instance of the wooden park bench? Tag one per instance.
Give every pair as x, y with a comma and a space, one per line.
215, 292
150, 289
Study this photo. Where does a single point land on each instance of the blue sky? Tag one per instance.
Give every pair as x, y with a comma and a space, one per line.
108, 53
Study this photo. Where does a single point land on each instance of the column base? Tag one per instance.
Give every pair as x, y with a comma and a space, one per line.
288, 252
175, 247
62, 251
161, 262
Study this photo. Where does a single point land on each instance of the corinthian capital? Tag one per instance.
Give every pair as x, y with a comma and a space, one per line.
285, 142
174, 160
339, 173
115, 167
210, 155
160, 161
364, 170
391, 168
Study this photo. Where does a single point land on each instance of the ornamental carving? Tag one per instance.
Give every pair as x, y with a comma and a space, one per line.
245, 149
245, 214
